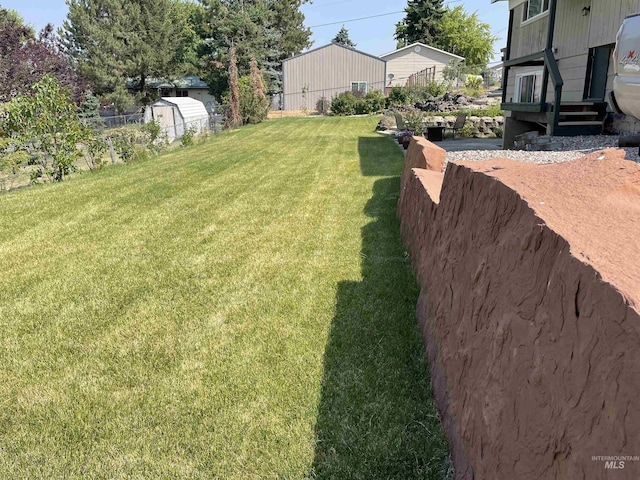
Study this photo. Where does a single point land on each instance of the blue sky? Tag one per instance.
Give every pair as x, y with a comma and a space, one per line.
373, 35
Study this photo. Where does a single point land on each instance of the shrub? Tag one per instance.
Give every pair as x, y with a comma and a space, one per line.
356, 103
398, 96
467, 131
323, 105
436, 89
253, 107
414, 120
187, 136
473, 85
47, 125
344, 104
375, 101
96, 148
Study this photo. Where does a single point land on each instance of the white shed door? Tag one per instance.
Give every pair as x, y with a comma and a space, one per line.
163, 115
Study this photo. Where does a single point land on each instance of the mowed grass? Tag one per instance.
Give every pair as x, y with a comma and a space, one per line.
239, 309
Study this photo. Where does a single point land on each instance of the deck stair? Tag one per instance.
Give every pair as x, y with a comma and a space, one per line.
581, 118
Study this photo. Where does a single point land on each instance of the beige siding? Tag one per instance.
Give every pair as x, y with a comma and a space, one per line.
571, 34
574, 34
327, 72
404, 63
530, 37
203, 95
606, 18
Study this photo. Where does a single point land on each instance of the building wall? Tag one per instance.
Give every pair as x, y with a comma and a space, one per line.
197, 93
530, 37
407, 62
204, 96
327, 72
574, 35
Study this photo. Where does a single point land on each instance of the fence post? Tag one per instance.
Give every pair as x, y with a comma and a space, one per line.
112, 152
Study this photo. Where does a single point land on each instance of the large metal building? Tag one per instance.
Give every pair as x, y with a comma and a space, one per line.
328, 71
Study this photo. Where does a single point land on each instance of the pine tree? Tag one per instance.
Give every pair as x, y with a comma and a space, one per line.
421, 23
233, 118
267, 30
342, 38
115, 40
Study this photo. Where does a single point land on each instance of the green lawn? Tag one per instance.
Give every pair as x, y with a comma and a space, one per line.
238, 309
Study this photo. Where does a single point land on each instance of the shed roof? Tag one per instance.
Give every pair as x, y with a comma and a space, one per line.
188, 107
330, 45
418, 44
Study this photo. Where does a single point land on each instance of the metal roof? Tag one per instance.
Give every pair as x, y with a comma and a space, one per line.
332, 44
187, 106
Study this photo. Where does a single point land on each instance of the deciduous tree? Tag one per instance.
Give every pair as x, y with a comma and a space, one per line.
465, 35
25, 59
45, 123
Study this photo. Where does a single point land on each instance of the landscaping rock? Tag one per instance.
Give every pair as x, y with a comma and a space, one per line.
530, 314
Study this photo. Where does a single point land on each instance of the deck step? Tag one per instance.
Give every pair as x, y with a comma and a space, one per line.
577, 104
576, 114
579, 124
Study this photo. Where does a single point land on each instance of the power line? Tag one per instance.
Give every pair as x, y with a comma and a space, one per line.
356, 19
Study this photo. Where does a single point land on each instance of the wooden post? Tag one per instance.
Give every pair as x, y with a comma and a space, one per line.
112, 152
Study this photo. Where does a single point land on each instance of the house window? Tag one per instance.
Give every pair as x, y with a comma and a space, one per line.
359, 87
166, 92
529, 87
533, 8
182, 93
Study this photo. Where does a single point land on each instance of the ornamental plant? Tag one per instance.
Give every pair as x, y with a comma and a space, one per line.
46, 125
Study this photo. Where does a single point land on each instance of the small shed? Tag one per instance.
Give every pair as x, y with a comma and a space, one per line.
414, 59
177, 114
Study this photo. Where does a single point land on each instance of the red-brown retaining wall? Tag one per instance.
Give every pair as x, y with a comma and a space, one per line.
530, 286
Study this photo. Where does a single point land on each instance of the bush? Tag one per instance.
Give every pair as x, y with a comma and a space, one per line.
398, 96
355, 103
414, 120
253, 107
374, 101
323, 105
187, 136
344, 104
473, 85
436, 89
467, 131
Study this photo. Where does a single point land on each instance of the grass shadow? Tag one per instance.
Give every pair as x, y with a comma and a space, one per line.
377, 417
379, 156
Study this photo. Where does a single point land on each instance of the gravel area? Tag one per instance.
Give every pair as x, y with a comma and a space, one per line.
570, 148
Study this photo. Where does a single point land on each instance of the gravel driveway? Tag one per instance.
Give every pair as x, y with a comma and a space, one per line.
570, 148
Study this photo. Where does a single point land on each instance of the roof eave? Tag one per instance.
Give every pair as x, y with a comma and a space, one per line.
423, 45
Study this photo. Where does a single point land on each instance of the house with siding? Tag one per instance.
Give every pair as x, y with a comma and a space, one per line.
190, 86
558, 65
414, 58
327, 71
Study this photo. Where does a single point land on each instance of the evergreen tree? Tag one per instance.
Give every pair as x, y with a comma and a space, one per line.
342, 38
267, 30
421, 23
115, 40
